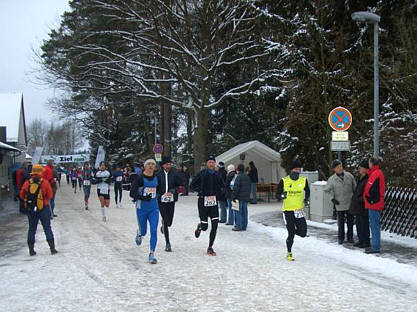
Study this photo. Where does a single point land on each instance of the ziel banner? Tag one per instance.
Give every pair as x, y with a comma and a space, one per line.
75, 158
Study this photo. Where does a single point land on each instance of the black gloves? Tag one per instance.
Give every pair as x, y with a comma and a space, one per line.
284, 195
107, 180
306, 202
335, 201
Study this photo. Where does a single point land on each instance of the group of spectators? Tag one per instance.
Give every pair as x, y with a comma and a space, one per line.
358, 202
240, 189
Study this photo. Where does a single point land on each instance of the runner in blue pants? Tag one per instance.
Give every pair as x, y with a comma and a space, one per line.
143, 192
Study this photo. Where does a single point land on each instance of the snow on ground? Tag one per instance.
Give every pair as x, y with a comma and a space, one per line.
99, 268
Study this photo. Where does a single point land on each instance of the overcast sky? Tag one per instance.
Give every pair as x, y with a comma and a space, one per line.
24, 24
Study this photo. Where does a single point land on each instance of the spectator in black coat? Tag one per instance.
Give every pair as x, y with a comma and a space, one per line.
241, 192
253, 175
357, 208
221, 172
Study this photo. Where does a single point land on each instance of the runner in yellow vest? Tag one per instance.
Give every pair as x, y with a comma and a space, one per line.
294, 190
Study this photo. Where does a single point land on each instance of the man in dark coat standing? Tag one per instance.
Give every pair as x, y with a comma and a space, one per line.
241, 192
357, 207
221, 172
167, 190
253, 175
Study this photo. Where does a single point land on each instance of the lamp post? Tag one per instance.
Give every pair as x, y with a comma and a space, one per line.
371, 18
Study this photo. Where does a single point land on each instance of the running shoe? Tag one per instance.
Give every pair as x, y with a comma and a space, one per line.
197, 232
168, 247
138, 239
289, 256
210, 251
104, 219
152, 259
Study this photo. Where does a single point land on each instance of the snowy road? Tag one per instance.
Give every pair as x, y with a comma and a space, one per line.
99, 268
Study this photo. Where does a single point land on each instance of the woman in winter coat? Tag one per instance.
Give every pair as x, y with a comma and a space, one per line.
357, 207
241, 192
231, 173
373, 195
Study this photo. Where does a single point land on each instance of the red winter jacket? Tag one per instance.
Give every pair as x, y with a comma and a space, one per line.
373, 195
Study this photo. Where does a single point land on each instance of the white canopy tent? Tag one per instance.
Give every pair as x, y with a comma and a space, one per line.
266, 160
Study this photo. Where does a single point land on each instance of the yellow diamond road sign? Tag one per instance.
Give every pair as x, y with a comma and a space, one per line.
340, 136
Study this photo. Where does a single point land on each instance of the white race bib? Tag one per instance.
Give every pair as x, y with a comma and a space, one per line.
150, 190
235, 206
210, 201
104, 190
299, 214
119, 179
86, 182
167, 198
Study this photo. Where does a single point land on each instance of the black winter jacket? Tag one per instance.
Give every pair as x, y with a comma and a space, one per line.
357, 205
241, 189
253, 174
229, 179
174, 182
207, 184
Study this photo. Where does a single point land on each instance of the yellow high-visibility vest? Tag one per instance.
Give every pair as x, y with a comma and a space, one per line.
295, 193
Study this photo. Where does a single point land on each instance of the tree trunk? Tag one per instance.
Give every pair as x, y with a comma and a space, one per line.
200, 139
167, 129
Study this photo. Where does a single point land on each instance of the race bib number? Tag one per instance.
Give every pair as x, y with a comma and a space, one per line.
299, 214
150, 190
119, 179
167, 198
210, 201
104, 190
86, 182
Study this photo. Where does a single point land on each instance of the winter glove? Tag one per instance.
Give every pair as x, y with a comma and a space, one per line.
234, 200
147, 197
335, 201
107, 180
306, 202
284, 195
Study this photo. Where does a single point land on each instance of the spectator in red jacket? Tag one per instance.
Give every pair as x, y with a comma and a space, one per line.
50, 175
41, 212
373, 197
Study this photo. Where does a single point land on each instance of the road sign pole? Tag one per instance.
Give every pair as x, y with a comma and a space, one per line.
376, 92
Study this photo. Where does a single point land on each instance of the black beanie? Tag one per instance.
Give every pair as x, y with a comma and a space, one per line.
165, 160
211, 158
336, 163
364, 164
295, 164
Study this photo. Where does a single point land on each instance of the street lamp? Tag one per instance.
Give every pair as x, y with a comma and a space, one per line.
371, 18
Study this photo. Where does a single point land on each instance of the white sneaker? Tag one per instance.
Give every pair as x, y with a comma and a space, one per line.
104, 219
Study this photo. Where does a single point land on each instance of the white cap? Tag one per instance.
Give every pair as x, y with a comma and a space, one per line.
230, 168
149, 161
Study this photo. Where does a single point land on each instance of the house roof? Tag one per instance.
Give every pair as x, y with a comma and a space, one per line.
11, 107
254, 146
8, 147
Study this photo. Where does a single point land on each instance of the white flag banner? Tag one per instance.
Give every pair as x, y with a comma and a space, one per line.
37, 155
101, 154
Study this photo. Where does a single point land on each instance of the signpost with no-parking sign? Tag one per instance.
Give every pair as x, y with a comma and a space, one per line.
340, 119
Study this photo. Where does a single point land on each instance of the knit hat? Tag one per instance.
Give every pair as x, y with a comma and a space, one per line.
336, 163
37, 170
210, 158
220, 164
150, 161
295, 164
165, 160
364, 164
230, 168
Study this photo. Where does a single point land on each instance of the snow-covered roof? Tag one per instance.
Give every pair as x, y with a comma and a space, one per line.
254, 146
11, 107
8, 147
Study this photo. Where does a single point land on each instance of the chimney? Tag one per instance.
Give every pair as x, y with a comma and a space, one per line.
3, 137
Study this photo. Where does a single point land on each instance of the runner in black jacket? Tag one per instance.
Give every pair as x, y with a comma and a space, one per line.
209, 187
